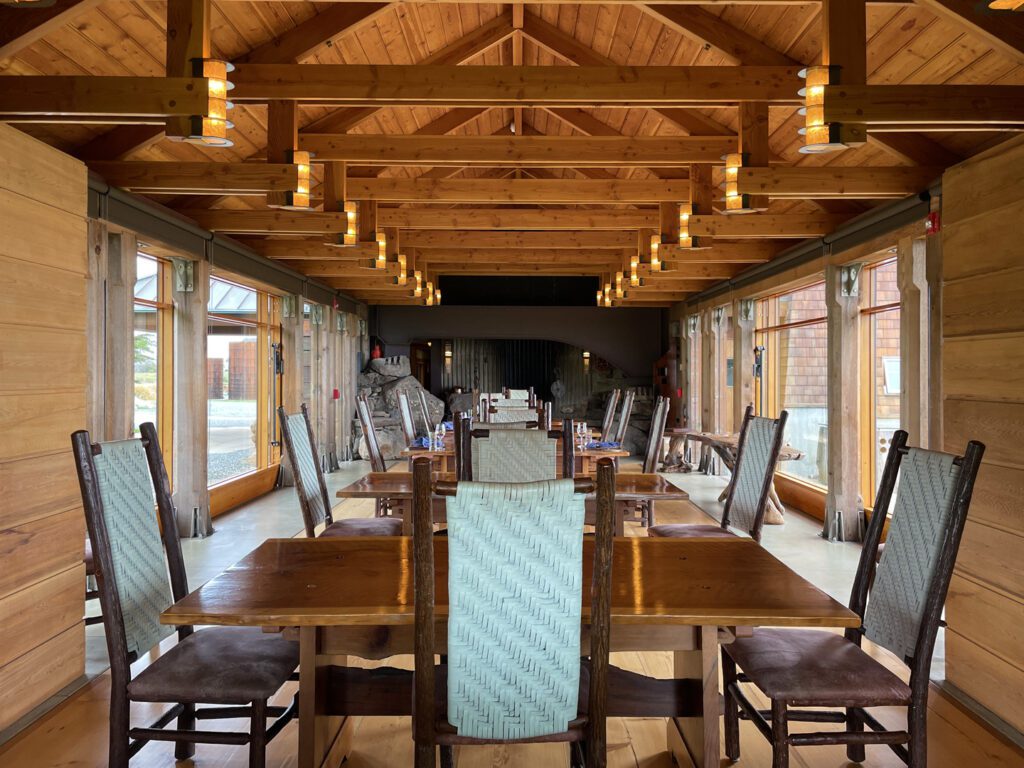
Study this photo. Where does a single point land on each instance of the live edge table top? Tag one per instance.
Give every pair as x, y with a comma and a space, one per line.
629, 486
369, 581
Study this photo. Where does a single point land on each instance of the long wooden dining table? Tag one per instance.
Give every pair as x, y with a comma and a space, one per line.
354, 597
444, 457
630, 489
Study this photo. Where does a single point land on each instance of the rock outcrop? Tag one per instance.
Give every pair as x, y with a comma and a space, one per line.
381, 382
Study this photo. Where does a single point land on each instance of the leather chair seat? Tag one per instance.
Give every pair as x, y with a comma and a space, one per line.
220, 665
365, 526
812, 667
447, 733
686, 531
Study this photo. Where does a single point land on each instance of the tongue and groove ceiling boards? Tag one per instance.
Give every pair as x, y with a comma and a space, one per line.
516, 139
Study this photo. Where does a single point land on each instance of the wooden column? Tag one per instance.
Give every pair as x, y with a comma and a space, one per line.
844, 45
190, 395
753, 143
367, 222
119, 337
96, 307
934, 277
282, 140
914, 339
743, 358
709, 372
188, 39
843, 504
291, 379
702, 190
669, 220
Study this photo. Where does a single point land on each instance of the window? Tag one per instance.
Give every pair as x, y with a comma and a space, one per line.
243, 388
794, 375
153, 326
880, 371
695, 368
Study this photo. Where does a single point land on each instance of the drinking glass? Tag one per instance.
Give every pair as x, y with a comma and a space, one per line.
439, 431
582, 433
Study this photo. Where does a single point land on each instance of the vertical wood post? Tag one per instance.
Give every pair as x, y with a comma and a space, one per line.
188, 39
119, 337
844, 45
367, 221
669, 221
190, 400
844, 508
933, 279
291, 378
709, 372
743, 358
282, 139
753, 143
914, 336
96, 298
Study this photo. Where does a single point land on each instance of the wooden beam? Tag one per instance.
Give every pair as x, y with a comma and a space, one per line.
1003, 30
710, 30
276, 222
396, 190
969, 105
570, 49
334, 268
88, 95
465, 48
491, 86
517, 218
743, 252
518, 151
421, 239
208, 178
702, 190
20, 27
521, 255
655, 284
309, 249
554, 268
754, 143
282, 140
188, 41
764, 225
844, 47
835, 181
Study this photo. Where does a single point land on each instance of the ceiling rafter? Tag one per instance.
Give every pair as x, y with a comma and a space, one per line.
21, 27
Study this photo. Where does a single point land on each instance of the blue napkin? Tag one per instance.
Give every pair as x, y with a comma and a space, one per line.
449, 426
421, 442
599, 444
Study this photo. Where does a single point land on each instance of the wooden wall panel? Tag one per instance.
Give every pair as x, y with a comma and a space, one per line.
43, 395
983, 399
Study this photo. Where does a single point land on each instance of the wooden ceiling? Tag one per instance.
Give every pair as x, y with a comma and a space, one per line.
514, 201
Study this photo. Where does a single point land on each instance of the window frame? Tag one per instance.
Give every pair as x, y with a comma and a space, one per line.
164, 308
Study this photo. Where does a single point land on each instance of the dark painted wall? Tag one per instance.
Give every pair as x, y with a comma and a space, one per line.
630, 339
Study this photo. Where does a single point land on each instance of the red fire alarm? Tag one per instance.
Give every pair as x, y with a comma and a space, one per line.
933, 224
336, 394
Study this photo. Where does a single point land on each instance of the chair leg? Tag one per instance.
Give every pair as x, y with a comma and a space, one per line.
186, 722
119, 723
576, 751
780, 735
854, 724
258, 735
424, 756
650, 513
917, 724
732, 709
447, 757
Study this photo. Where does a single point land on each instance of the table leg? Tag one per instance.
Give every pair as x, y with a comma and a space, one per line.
696, 739
324, 742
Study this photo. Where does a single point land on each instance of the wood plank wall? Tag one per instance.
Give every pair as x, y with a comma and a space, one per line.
983, 399
42, 400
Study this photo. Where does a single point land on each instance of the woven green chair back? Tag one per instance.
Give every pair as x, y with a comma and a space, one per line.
506, 415
136, 549
918, 529
514, 584
514, 456
755, 463
307, 473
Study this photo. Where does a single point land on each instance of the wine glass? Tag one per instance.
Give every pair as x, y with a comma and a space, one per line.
582, 433
439, 431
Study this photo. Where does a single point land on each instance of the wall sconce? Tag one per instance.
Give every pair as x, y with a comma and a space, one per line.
618, 285
734, 201
685, 241
600, 298
634, 274
351, 216
607, 294
819, 136
448, 356
586, 360
655, 257
430, 294
211, 129
417, 290
298, 199
403, 276
381, 261
437, 297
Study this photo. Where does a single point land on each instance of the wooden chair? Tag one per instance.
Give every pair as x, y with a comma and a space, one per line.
377, 463
547, 415
756, 456
502, 453
311, 486
609, 414
425, 412
816, 668
652, 452
238, 669
405, 416
558, 698
91, 591
619, 434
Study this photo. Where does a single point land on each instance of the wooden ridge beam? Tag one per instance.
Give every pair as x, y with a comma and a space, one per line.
517, 218
836, 181
395, 190
569, 239
468, 46
457, 256
972, 106
21, 27
764, 225
112, 96
209, 178
567, 47
518, 151
558, 268
492, 86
